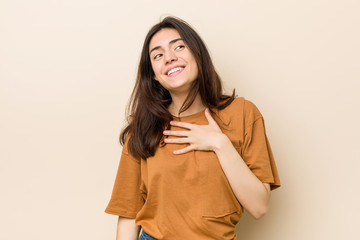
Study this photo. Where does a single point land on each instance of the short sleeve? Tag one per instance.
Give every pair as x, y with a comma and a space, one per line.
256, 149
126, 199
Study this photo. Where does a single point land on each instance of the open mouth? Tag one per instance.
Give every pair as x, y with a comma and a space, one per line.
175, 71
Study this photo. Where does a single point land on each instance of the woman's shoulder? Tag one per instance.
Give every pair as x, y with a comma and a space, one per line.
240, 112
238, 116
244, 107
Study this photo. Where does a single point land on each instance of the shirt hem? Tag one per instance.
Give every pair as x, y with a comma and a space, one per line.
121, 213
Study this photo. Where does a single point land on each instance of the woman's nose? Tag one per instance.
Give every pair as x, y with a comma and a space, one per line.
170, 56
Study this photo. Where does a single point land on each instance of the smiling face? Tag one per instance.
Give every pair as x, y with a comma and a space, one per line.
172, 61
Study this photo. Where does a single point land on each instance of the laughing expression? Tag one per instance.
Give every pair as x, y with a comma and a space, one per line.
172, 61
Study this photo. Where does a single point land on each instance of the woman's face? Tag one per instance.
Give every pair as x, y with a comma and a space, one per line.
172, 61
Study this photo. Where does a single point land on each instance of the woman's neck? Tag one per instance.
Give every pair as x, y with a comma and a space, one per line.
177, 102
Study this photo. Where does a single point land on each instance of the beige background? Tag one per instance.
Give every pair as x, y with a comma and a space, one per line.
67, 69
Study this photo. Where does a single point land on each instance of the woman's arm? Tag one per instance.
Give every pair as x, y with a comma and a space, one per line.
126, 229
248, 189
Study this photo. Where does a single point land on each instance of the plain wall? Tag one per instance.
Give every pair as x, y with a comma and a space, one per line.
67, 69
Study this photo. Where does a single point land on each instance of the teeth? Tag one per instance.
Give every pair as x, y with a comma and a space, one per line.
174, 70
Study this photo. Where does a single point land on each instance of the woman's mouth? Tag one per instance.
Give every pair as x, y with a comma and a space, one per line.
175, 71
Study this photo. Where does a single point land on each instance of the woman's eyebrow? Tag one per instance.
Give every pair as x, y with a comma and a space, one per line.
171, 42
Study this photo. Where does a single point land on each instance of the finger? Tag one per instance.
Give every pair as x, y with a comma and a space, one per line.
176, 133
184, 150
209, 117
182, 124
176, 140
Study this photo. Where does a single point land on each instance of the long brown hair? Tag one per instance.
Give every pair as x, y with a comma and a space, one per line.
147, 111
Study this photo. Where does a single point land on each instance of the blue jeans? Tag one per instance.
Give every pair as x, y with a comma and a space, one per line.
145, 236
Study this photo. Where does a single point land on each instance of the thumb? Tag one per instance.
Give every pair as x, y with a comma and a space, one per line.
209, 117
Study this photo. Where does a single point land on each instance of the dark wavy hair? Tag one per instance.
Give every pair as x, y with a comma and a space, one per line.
147, 111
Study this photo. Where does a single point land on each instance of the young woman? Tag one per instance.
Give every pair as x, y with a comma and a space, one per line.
193, 158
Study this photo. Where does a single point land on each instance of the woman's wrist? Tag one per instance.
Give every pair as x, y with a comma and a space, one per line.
221, 142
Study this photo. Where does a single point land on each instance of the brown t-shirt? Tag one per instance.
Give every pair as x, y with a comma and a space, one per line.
188, 196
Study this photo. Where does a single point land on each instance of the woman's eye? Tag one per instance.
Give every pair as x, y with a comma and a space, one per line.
179, 47
157, 56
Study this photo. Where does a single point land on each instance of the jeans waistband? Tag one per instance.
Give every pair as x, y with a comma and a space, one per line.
145, 236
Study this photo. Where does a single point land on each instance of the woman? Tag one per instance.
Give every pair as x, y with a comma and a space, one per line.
192, 158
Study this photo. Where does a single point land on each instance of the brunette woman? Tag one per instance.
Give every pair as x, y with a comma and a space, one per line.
193, 158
